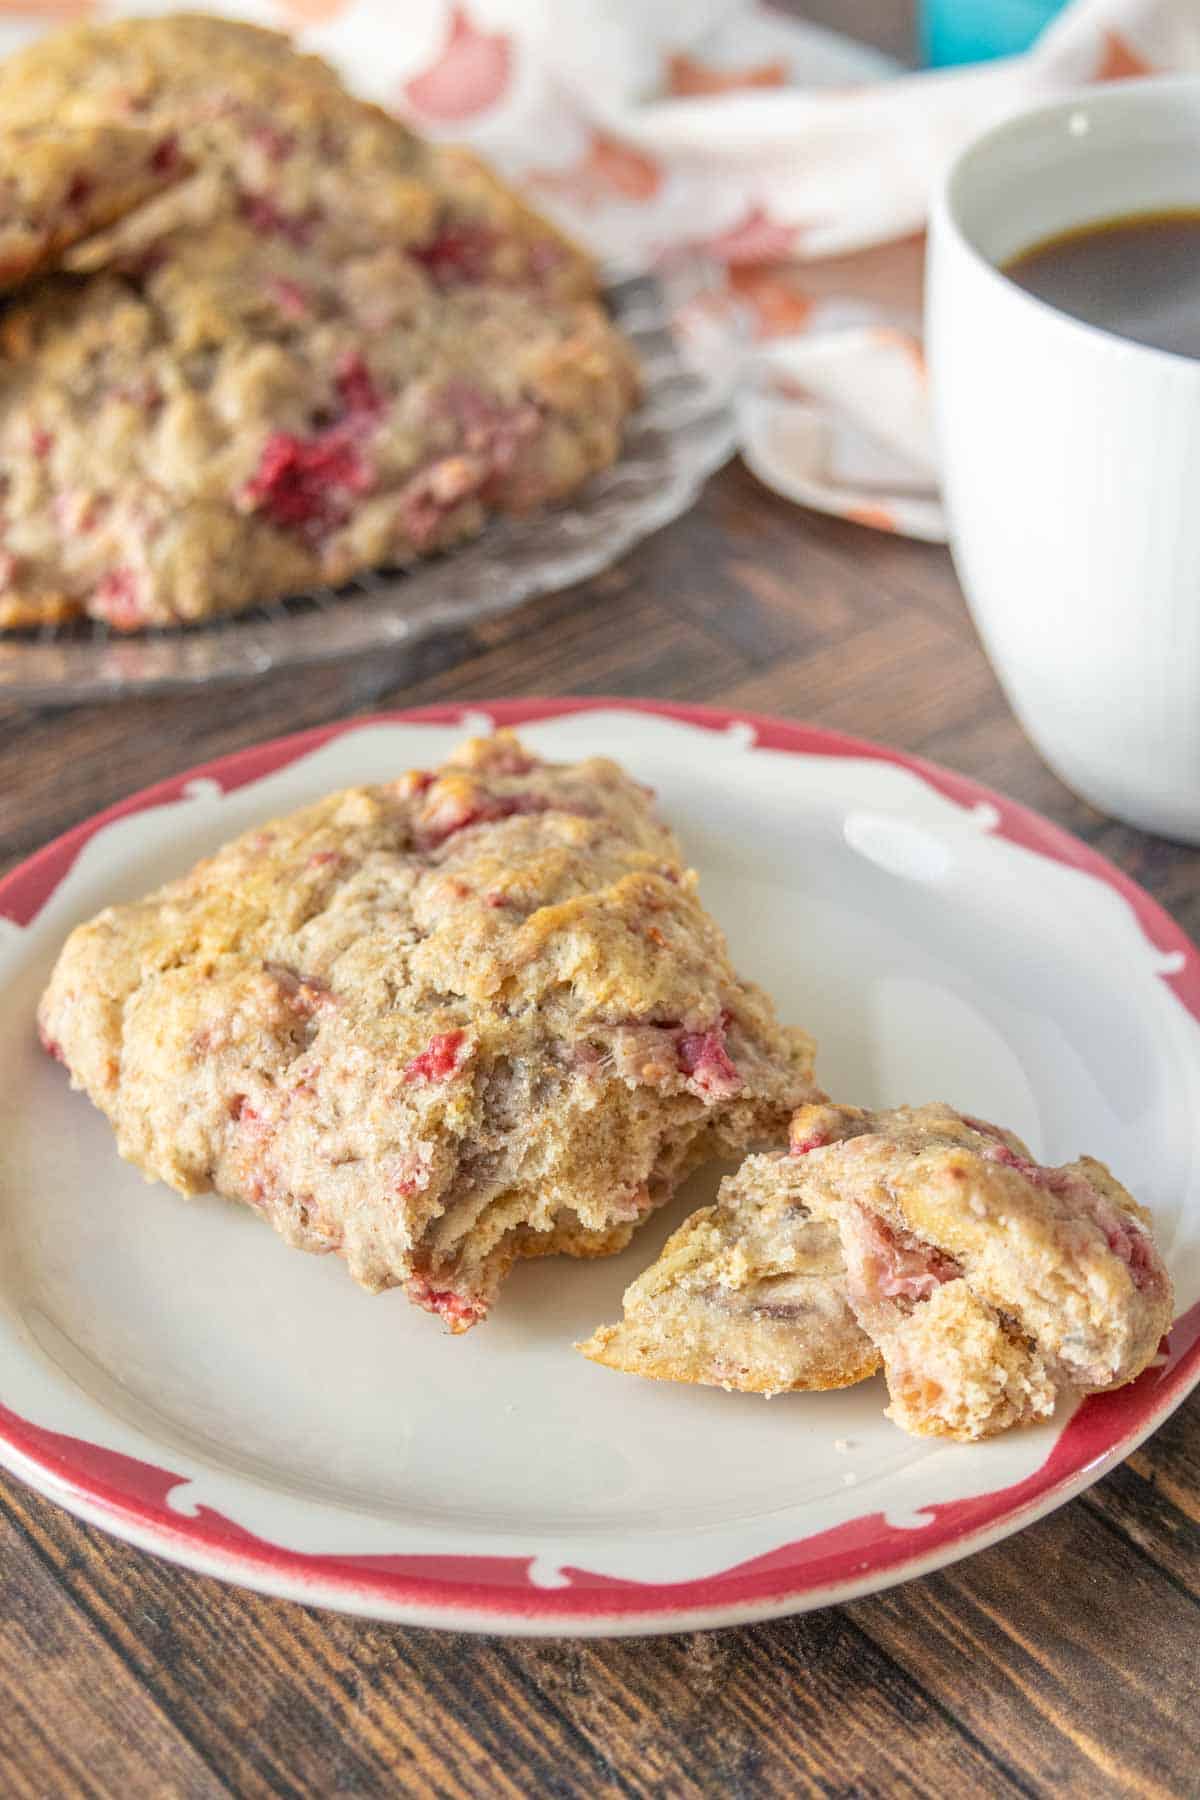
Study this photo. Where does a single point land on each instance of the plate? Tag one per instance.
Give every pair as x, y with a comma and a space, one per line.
172, 1372
689, 343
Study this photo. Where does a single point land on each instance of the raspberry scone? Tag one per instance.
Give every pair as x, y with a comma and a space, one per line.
61, 184
246, 419
749, 1294
471, 1014
331, 348
281, 143
989, 1283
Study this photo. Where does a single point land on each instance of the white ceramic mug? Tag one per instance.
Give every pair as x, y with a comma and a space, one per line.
1071, 457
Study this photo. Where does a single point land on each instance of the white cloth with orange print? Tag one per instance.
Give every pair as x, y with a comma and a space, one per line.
800, 161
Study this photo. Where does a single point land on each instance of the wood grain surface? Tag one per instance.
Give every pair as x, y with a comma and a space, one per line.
1063, 1662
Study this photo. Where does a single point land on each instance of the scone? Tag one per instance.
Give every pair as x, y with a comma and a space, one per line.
331, 348
60, 184
989, 1283
247, 419
749, 1294
471, 1014
281, 142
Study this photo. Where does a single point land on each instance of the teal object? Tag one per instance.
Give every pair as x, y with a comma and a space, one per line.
968, 31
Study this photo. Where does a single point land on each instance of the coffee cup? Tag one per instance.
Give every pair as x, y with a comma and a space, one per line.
1070, 454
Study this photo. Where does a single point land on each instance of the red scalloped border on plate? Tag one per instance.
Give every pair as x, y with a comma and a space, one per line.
127, 1491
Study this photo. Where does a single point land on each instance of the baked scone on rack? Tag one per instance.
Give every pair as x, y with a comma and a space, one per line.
249, 419
331, 348
989, 1284
286, 146
749, 1294
468, 1015
60, 184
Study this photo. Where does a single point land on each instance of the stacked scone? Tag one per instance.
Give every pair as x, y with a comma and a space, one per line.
479, 1013
285, 341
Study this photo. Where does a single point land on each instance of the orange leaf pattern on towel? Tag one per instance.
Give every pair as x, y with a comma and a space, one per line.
756, 237
740, 141
1119, 61
470, 74
54, 12
893, 338
688, 77
879, 518
298, 13
777, 304
608, 169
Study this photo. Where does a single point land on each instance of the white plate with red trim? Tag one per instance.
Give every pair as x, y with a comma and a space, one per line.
172, 1372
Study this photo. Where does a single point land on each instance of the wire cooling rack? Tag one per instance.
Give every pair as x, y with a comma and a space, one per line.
689, 347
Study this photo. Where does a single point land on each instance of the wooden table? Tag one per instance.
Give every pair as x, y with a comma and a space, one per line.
1061, 1662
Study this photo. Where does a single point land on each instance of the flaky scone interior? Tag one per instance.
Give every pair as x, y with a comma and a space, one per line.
474, 1013
991, 1283
749, 1294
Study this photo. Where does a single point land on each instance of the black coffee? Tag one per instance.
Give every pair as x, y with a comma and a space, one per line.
1138, 277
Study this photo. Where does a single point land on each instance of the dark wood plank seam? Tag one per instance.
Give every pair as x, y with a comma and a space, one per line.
812, 537
103, 1632
957, 1726
472, 1712
898, 593
900, 598
549, 1708
784, 542
1131, 1543
756, 664
1162, 1498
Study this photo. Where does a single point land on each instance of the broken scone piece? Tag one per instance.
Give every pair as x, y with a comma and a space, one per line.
989, 1282
748, 1294
474, 1013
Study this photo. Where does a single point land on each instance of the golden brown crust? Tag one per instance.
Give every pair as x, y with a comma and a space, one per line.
330, 349
23, 612
956, 1368
988, 1281
354, 1020
59, 185
524, 241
